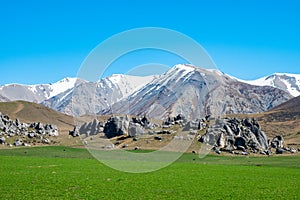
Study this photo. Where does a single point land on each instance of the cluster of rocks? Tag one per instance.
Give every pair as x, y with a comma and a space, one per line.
136, 126
115, 126
22, 133
241, 137
236, 136
89, 128
197, 124
171, 121
277, 144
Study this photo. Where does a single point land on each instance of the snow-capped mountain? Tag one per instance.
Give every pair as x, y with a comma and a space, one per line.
195, 92
284, 81
36, 93
184, 89
93, 97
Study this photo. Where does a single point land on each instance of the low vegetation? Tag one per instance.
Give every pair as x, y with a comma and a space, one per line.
72, 173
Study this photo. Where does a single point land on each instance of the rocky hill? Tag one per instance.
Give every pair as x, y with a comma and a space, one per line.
28, 112
13, 132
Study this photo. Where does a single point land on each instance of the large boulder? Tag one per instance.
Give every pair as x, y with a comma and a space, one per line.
75, 132
116, 126
18, 142
2, 140
277, 142
262, 140
233, 134
197, 124
135, 129
89, 128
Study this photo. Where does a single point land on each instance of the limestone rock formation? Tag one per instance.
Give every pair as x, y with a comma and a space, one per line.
17, 131
241, 136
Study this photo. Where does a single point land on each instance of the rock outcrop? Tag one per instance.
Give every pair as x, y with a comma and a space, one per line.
23, 133
240, 137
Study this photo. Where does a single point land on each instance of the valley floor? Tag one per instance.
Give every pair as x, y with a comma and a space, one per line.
72, 173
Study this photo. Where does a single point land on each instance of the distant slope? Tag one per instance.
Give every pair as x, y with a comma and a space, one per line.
93, 97
292, 105
284, 81
36, 93
32, 112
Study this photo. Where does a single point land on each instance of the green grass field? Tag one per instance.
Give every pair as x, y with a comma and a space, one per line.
71, 173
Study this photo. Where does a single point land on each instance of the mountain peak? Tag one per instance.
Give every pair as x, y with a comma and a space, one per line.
68, 79
284, 81
185, 67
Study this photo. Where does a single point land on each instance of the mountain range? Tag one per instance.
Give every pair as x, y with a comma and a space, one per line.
35, 93
184, 89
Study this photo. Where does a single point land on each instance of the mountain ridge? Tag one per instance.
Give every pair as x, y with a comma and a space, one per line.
182, 89
285, 81
97, 95
37, 92
193, 92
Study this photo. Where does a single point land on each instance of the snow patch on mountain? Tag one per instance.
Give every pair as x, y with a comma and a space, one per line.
128, 84
194, 92
285, 81
92, 97
36, 93
61, 86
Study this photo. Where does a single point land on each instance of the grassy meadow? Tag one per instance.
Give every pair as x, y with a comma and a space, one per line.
72, 173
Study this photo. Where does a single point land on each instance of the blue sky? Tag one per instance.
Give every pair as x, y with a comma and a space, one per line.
44, 41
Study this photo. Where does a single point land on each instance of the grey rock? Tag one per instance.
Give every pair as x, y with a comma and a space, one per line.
244, 153
2, 140
197, 124
280, 151
293, 150
231, 133
74, 132
217, 151
31, 134
137, 148
89, 128
158, 138
277, 142
116, 126
135, 129
46, 141
15, 128
18, 142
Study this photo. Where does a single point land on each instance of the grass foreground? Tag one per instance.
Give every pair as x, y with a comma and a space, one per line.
72, 173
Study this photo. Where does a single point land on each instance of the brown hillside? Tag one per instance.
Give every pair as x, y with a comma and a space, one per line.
31, 112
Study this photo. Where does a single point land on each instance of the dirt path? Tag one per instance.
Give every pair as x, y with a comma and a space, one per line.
19, 107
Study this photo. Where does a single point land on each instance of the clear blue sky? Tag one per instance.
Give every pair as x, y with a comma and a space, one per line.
44, 41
